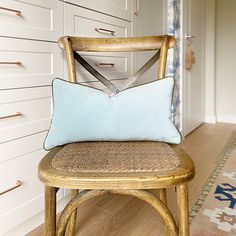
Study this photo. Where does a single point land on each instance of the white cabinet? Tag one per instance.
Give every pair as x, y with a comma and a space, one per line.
117, 8
37, 19
29, 59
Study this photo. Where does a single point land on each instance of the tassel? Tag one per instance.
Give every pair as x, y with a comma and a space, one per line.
188, 58
193, 54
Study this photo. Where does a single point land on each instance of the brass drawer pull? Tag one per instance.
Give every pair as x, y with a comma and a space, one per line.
18, 13
105, 64
10, 63
102, 31
10, 116
18, 184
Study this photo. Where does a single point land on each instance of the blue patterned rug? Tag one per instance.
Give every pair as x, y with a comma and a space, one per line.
214, 212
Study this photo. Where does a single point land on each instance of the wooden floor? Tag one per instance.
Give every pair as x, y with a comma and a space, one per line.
114, 215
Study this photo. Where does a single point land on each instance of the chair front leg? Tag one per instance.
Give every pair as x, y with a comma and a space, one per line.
70, 228
183, 209
50, 211
163, 196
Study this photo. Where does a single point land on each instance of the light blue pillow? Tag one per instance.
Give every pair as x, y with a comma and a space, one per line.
86, 114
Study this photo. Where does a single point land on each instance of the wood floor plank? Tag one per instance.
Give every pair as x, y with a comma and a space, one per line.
116, 215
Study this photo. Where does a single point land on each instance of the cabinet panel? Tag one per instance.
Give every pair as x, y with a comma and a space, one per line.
118, 8
35, 19
30, 63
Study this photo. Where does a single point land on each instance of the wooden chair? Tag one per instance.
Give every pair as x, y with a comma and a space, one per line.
56, 171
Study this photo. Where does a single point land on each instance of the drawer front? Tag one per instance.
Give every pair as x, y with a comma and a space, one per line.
34, 19
113, 66
24, 169
25, 63
83, 22
25, 116
109, 63
13, 96
86, 23
118, 8
21, 146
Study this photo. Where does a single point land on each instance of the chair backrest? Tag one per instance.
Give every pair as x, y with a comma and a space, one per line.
131, 44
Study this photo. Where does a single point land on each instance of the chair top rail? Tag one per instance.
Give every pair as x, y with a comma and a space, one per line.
131, 44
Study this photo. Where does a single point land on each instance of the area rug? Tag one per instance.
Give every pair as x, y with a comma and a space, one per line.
214, 212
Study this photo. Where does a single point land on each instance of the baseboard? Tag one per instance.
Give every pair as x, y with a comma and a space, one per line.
35, 221
210, 119
226, 119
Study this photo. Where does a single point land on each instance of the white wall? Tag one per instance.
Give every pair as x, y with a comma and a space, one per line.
226, 60
150, 18
149, 21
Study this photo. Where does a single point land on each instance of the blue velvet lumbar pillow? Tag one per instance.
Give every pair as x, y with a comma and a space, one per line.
86, 114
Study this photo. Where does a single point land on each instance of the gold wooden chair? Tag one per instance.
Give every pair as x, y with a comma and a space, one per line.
56, 172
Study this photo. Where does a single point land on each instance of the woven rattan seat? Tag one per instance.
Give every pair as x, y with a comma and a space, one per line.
112, 157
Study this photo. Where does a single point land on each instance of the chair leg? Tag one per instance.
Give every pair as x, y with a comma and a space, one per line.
162, 193
50, 211
163, 198
70, 228
183, 210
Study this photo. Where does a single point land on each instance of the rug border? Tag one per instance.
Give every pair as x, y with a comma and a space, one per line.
223, 157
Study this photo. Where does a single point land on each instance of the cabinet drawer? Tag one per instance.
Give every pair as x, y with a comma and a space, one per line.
38, 19
25, 116
83, 22
25, 169
21, 146
118, 8
30, 63
112, 65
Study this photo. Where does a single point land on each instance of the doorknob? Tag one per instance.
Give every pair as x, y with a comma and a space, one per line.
189, 36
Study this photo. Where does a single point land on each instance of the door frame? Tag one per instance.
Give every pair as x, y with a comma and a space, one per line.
210, 61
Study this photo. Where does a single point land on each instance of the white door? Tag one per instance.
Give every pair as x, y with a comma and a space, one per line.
193, 80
